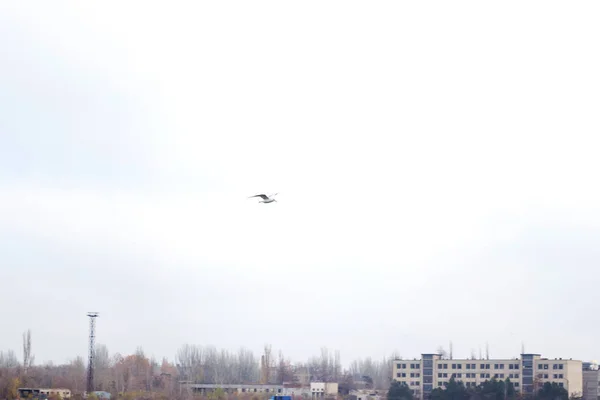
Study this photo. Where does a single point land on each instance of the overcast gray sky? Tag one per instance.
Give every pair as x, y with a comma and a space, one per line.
436, 162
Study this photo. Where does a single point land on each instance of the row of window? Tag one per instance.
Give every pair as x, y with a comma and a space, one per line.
412, 366
554, 366
412, 375
474, 375
473, 384
554, 376
474, 366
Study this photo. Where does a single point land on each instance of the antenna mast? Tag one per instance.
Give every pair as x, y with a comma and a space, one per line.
90, 373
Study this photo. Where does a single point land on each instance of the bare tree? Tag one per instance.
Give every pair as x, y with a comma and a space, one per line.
266, 364
190, 362
247, 366
442, 352
8, 359
27, 358
473, 357
102, 364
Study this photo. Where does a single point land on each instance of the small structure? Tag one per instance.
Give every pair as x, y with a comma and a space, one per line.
323, 389
102, 395
43, 393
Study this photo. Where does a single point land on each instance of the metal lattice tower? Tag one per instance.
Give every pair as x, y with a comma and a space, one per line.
90, 374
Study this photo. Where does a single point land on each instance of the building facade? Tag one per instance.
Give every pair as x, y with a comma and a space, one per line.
43, 393
527, 374
591, 381
323, 389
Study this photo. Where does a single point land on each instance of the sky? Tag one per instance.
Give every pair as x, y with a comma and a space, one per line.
436, 165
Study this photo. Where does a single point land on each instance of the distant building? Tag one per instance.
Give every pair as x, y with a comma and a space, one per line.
203, 388
527, 374
591, 380
323, 389
367, 395
102, 395
43, 393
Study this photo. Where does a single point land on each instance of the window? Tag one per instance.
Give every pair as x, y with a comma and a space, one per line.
560, 366
418, 383
440, 384
502, 376
540, 366
439, 375
555, 366
555, 376
510, 366
440, 366
445, 375
472, 366
458, 366
545, 376
398, 366
418, 366
459, 375
561, 384
516, 384
501, 366
445, 366
560, 376
453, 366
482, 375
516, 376
482, 366
468, 366
496, 366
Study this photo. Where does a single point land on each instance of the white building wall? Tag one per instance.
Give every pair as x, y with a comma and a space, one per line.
567, 373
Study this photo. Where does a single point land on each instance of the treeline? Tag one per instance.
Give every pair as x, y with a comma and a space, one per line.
489, 390
139, 373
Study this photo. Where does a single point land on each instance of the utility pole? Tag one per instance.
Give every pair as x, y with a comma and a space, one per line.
90, 374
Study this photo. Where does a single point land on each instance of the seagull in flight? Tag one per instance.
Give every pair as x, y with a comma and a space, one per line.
265, 198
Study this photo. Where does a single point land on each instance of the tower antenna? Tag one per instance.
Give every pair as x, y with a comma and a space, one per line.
90, 372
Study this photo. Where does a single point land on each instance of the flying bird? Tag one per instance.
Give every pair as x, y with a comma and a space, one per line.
265, 198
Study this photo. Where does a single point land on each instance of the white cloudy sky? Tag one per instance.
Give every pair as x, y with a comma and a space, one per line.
436, 162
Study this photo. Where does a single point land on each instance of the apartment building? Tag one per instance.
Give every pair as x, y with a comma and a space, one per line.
527, 374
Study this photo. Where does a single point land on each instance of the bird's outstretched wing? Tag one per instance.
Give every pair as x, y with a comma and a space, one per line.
263, 196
